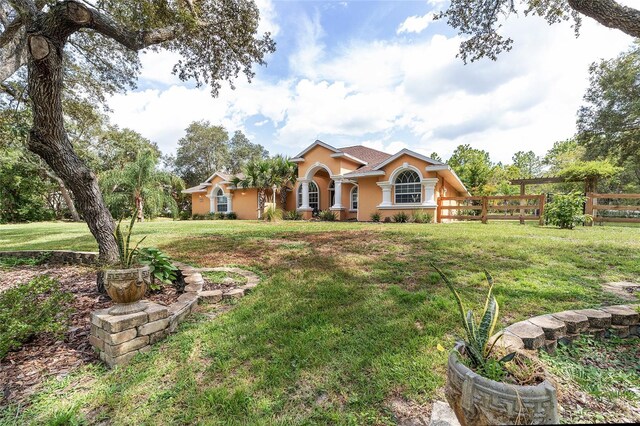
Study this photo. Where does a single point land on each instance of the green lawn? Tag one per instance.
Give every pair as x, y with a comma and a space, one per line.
347, 317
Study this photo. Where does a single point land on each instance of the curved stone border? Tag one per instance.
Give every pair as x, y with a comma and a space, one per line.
118, 338
55, 256
544, 331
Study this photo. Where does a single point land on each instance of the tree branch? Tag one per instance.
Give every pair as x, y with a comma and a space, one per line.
13, 55
134, 40
610, 14
26, 9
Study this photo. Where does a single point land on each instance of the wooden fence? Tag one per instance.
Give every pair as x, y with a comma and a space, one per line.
507, 207
602, 212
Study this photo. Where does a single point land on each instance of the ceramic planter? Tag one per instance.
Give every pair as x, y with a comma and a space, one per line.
127, 287
479, 401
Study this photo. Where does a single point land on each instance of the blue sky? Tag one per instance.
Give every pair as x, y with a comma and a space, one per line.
382, 74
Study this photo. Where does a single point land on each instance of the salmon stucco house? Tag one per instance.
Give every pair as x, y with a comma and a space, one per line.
354, 182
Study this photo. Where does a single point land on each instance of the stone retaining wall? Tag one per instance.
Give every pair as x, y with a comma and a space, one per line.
55, 256
545, 331
118, 338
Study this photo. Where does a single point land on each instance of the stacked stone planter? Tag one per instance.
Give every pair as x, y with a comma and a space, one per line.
544, 331
118, 338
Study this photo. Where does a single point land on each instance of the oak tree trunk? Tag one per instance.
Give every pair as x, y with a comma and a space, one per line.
47, 36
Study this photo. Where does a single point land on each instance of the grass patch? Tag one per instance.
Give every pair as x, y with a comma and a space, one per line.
598, 380
219, 277
347, 317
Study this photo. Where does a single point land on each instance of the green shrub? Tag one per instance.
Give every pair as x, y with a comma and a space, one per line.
292, 215
565, 211
387, 219
272, 214
160, 266
123, 241
327, 216
421, 217
477, 341
11, 261
375, 216
232, 216
211, 216
220, 215
184, 215
400, 217
39, 306
198, 217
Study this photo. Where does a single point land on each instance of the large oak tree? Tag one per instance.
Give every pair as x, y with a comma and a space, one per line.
479, 21
216, 40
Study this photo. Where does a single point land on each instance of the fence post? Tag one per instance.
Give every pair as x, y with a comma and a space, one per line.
439, 211
541, 209
588, 209
485, 203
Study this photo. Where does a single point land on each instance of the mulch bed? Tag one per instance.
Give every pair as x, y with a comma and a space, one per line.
22, 371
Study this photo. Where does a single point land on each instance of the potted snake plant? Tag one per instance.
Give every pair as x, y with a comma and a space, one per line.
127, 284
488, 386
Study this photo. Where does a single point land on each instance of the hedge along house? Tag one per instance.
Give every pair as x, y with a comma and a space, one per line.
354, 182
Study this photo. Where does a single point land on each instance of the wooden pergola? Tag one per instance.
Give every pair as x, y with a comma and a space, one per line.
589, 183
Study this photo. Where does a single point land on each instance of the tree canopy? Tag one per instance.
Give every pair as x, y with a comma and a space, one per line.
206, 148
480, 21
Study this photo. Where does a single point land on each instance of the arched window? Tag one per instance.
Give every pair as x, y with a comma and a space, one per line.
221, 201
407, 187
314, 196
354, 198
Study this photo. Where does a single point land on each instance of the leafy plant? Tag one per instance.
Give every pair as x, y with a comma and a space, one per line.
272, 214
565, 211
211, 216
232, 216
327, 216
184, 215
127, 254
292, 215
375, 216
198, 217
400, 217
421, 217
220, 215
387, 219
478, 334
29, 309
159, 264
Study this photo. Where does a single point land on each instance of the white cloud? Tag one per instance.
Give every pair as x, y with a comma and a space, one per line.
415, 24
392, 94
267, 18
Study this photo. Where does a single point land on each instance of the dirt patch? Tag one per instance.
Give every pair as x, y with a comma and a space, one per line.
24, 370
625, 290
409, 413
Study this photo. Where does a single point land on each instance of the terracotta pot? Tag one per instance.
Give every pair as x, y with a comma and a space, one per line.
127, 287
477, 400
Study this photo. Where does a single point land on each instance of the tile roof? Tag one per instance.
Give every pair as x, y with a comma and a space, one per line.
370, 155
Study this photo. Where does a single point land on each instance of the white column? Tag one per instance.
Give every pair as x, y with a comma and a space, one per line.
212, 203
229, 203
305, 195
429, 185
337, 195
386, 194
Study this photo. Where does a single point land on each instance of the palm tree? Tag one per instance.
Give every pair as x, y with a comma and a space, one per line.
141, 184
257, 174
284, 175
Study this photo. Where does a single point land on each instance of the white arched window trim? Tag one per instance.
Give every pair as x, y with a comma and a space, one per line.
222, 203
353, 201
407, 187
